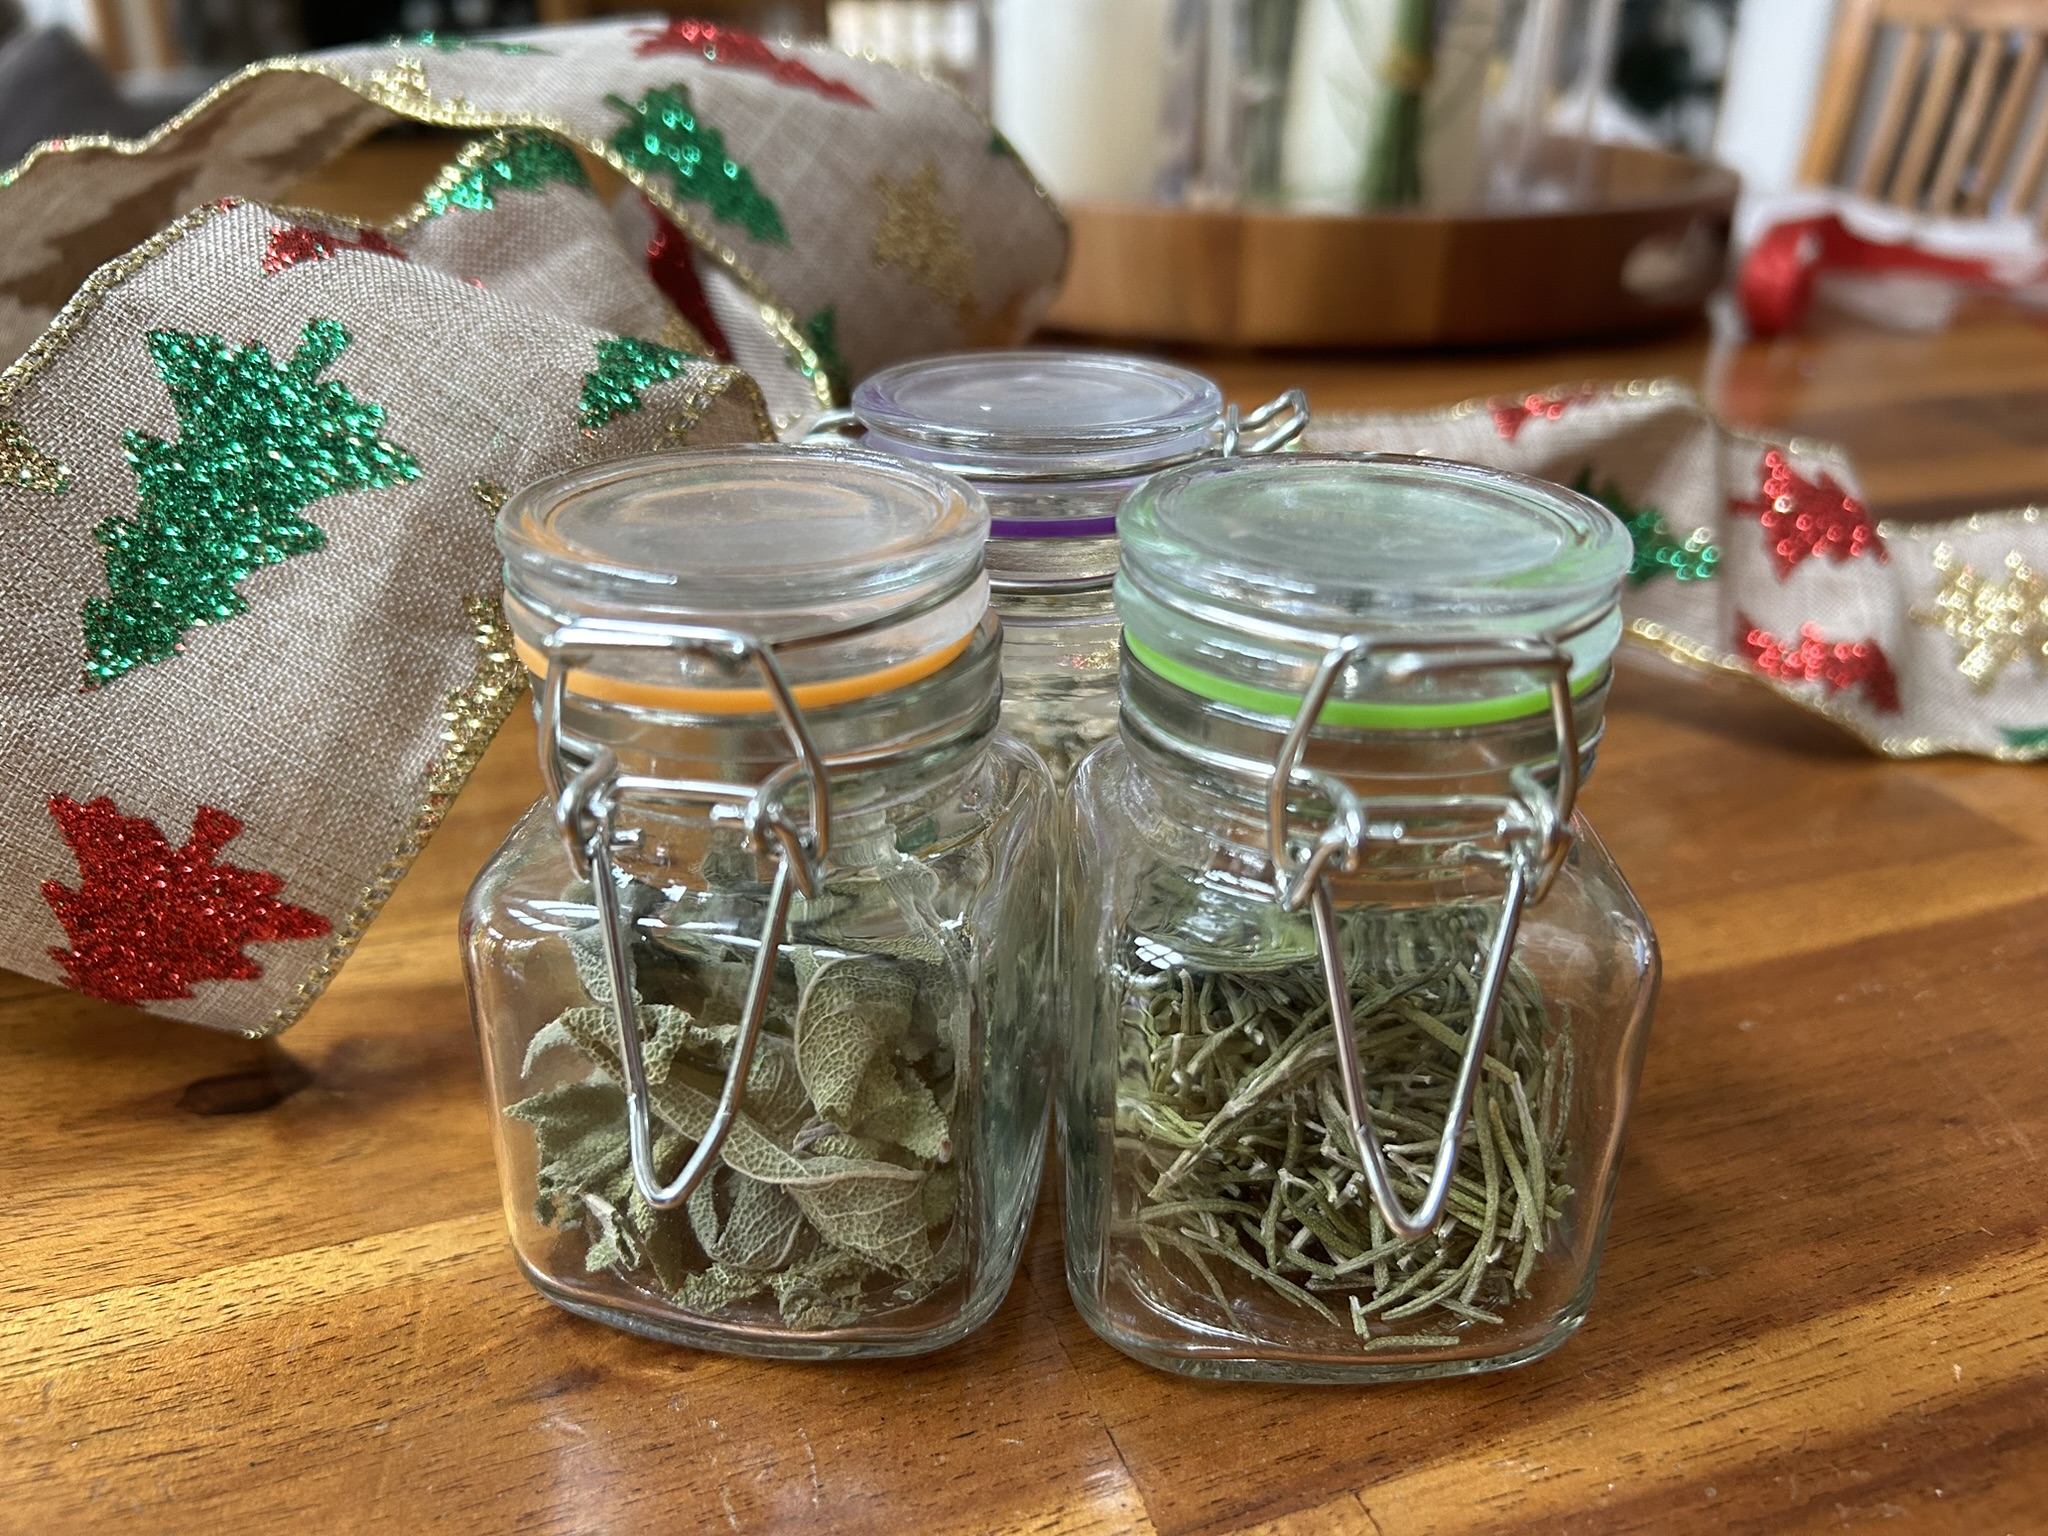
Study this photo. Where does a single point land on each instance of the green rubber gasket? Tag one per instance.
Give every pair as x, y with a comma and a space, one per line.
1352, 713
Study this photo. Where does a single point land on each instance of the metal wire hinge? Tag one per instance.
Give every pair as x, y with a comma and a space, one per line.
1534, 823
587, 804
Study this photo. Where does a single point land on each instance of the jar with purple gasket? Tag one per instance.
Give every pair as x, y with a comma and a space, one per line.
1054, 441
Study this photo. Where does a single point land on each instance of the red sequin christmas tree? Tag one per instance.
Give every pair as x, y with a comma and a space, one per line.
730, 46
148, 920
1805, 518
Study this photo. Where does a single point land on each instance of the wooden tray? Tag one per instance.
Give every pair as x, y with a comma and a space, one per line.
1644, 256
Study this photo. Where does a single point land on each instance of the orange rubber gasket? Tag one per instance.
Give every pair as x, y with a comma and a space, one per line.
748, 701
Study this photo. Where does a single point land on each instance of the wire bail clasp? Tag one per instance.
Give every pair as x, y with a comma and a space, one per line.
1271, 426
1534, 822
587, 804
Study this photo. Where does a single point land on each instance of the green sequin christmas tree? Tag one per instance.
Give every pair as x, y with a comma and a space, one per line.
664, 136
625, 366
1658, 553
257, 444
516, 159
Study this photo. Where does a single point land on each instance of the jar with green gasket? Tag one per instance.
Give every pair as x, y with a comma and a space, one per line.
1355, 1001
1054, 441
760, 983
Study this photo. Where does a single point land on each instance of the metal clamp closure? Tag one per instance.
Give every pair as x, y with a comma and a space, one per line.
1272, 426
1534, 822
586, 811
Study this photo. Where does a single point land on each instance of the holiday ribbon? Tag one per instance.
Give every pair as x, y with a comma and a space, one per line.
837, 215
248, 590
1761, 558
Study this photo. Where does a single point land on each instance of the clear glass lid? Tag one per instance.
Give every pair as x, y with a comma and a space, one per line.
1240, 575
1025, 413
864, 572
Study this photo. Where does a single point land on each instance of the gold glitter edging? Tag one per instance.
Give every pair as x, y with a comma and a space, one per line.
93, 292
471, 717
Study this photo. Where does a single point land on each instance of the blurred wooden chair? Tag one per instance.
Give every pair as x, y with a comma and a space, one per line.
1939, 106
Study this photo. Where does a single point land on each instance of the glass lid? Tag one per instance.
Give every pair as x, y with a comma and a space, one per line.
853, 564
1011, 412
1240, 574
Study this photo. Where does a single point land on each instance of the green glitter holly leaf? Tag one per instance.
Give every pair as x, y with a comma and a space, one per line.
664, 136
2029, 740
626, 365
257, 445
1657, 551
822, 332
514, 159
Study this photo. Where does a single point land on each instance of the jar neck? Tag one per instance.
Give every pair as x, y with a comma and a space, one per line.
881, 752
1215, 762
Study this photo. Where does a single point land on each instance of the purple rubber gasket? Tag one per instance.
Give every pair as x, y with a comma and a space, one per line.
1051, 527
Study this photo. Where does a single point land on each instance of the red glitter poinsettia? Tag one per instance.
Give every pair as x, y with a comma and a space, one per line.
742, 50
1837, 665
1803, 518
295, 243
148, 920
1510, 416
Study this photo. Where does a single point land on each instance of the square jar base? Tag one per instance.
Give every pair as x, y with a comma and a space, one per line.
1214, 1365
667, 1327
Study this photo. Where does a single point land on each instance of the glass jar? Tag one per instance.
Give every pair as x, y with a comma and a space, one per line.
760, 985
1055, 441
1356, 1000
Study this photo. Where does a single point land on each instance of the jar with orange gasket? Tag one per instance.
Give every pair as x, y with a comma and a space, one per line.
759, 985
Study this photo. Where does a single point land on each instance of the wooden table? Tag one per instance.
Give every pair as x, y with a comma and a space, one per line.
263, 1288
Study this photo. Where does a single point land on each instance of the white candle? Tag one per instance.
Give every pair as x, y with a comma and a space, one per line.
1077, 88
1333, 99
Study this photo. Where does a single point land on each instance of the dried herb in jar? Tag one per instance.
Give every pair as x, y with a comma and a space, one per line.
837, 1189
1236, 1157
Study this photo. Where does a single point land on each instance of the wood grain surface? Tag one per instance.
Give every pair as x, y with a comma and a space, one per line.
266, 1288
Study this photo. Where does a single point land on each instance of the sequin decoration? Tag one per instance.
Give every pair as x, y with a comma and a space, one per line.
449, 42
625, 366
2034, 739
921, 239
471, 715
664, 136
1657, 552
674, 272
1993, 623
822, 332
257, 443
742, 50
148, 920
696, 405
403, 87
22, 463
517, 159
296, 243
1803, 518
1510, 416
489, 494
1836, 665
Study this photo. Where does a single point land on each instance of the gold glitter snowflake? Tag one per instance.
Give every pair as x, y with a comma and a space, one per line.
1993, 623
921, 239
23, 463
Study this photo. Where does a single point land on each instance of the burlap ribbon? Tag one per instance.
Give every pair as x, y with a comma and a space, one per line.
840, 215
249, 465
1760, 557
